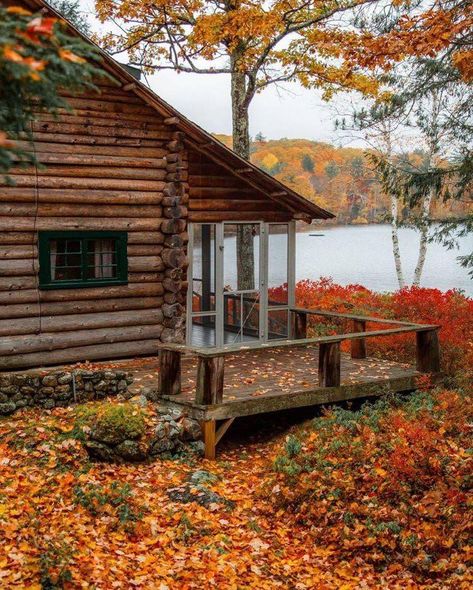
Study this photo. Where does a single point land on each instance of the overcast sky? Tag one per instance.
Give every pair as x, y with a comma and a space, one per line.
290, 111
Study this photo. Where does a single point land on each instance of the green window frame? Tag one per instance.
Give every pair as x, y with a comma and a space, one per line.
78, 256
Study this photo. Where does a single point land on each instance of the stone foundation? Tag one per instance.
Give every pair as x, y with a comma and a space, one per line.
59, 387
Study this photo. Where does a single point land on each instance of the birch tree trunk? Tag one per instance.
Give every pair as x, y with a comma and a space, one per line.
241, 145
424, 231
395, 241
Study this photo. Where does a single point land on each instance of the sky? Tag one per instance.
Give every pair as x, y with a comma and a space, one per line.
289, 111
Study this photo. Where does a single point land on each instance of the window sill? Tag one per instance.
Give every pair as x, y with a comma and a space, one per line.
80, 285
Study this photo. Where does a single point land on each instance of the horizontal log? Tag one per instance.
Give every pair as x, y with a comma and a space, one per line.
124, 349
84, 294
93, 118
81, 196
13, 283
101, 172
146, 277
121, 130
145, 249
63, 159
91, 149
148, 237
215, 216
79, 210
102, 306
13, 237
25, 267
145, 263
209, 181
65, 323
47, 182
19, 252
197, 204
94, 140
79, 223
104, 94
58, 341
95, 104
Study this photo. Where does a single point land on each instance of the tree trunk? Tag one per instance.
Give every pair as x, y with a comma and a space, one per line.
395, 241
423, 239
241, 145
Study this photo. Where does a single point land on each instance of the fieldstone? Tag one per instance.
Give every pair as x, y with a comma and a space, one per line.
7, 408
129, 380
130, 450
64, 378
198, 447
63, 388
48, 404
122, 385
89, 386
10, 389
120, 374
46, 391
21, 403
49, 381
101, 386
139, 400
3, 398
15, 398
6, 380
109, 375
27, 390
150, 394
19, 379
99, 451
191, 429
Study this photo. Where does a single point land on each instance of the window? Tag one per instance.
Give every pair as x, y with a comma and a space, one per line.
82, 259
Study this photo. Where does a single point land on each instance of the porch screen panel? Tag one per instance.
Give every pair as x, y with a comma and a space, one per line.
278, 280
202, 296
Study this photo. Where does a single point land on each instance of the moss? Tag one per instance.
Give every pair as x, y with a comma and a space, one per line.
111, 423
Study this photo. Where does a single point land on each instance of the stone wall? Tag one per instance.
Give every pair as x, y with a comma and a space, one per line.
59, 387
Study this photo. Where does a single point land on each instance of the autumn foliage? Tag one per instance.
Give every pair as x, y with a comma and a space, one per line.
388, 485
452, 310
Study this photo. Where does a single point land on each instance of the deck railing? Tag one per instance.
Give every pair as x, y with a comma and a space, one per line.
211, 361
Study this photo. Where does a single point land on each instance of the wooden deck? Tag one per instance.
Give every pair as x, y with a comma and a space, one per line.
266, 380
223, 383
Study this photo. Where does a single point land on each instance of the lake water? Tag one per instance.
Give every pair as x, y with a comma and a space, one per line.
363, 254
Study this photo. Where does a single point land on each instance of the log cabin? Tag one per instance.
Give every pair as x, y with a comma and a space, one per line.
126, 236
140, 232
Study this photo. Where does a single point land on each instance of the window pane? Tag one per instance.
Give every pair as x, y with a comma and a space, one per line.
241, 317
65, 266
278, 241
250, 317
277, 324
101, 259
241, 256
203, 268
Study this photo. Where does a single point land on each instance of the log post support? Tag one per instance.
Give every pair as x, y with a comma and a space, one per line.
210, 373
358, 347
169, 372
329, 364
428, 351
208, 430
299, 325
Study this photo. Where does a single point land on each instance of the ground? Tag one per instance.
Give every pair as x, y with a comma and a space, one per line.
180, 522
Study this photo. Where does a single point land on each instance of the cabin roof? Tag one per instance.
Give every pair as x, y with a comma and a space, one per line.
199, 139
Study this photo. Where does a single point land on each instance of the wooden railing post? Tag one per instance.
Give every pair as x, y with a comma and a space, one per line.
358, 347
209, 386
428, 351
169, 382
329, 364
299, 325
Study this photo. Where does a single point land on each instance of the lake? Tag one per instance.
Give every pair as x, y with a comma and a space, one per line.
363, 254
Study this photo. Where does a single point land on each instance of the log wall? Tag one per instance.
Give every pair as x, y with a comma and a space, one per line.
112, 163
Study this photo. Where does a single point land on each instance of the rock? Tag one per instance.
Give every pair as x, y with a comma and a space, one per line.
163, 445
130, 450
10, 389
109, 375
101, 386
151, 394
3, 398
198, 447
48, 404
21, 403
64, 378
7, 408
99, 451
122, 385
191, 429
27, 390
202, 476
49, 381
45, 391
19, 379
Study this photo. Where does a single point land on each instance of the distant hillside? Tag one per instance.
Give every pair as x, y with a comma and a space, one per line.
338, 179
